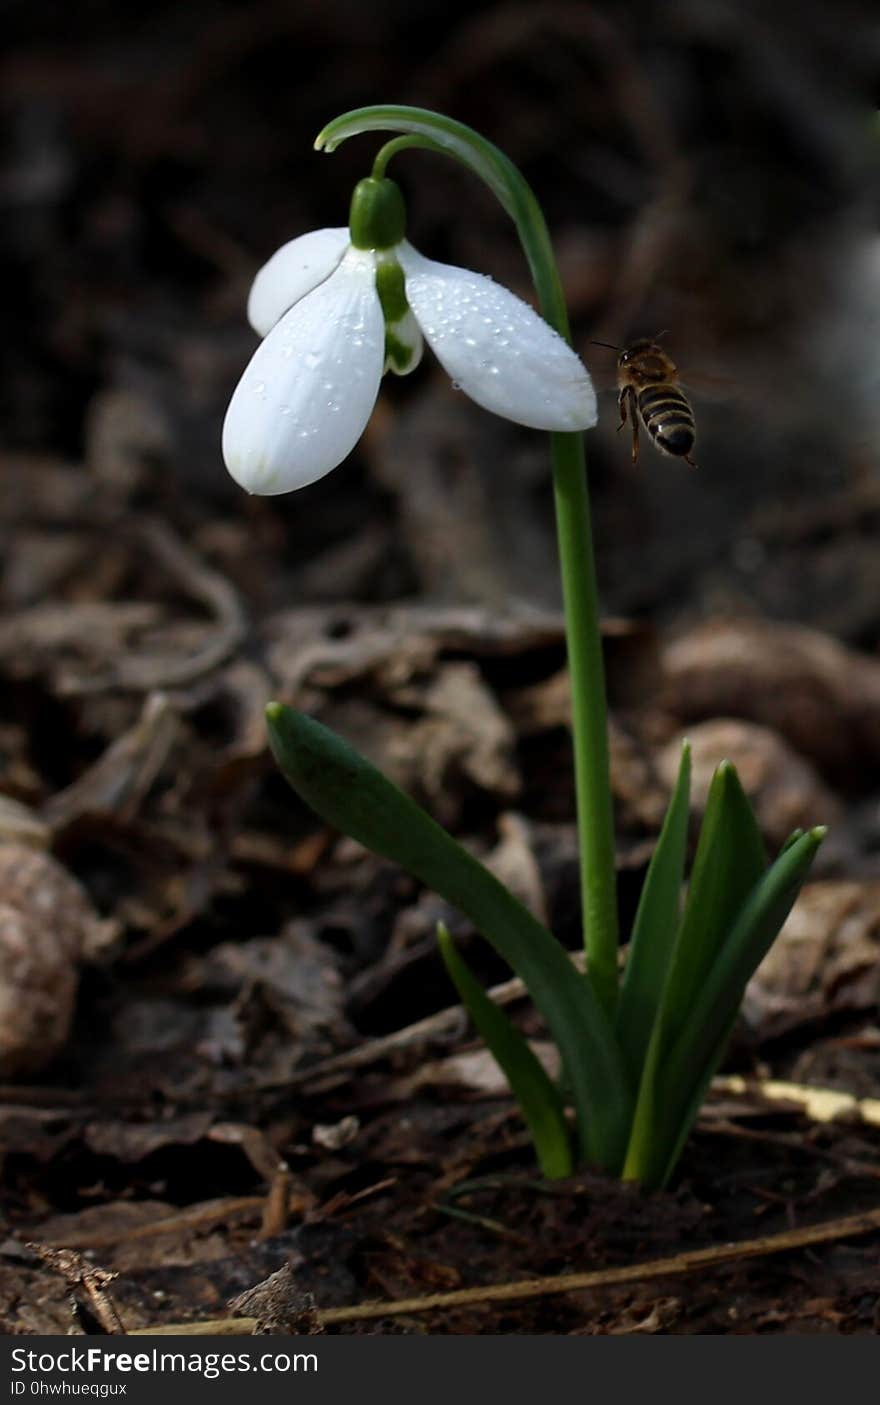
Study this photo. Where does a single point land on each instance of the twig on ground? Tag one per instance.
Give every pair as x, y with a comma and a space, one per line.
819, 1104
445, 1021
196, 1217
678, 1264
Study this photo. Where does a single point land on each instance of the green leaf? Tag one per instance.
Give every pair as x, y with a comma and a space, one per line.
655, 928
756, 928
538, 1096
681, 1079
792, 839
695, 1102
730, 859
353, 796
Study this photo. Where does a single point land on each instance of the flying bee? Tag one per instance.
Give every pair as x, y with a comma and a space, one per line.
647, 381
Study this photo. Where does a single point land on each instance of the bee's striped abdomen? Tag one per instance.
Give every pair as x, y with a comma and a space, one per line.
668, 418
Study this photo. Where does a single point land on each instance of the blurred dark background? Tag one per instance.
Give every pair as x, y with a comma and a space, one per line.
707, 168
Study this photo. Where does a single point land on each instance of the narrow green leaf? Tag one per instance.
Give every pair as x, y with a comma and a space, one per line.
792, 839
756, 930
730, 859
538, 1096
353, 796
681, 1079
697, 1096
655, 928
757, 925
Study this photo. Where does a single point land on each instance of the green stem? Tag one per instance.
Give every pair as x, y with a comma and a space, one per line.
391, 148
595, 817
589, 718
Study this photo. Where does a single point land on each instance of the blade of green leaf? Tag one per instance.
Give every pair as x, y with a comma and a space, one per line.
538, 1096
756, 927
691, 1113
681, 1079
655, 928
352, 795
730, 859
792, 839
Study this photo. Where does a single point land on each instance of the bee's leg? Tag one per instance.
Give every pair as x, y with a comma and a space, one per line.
691, 463
628, 400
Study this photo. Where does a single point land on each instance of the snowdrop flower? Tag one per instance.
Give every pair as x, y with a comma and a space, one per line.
339, 307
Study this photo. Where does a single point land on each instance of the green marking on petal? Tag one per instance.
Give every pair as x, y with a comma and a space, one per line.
391, 287
403, 340
398, 356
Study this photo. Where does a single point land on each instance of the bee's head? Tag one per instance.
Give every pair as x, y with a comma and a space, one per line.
635, 350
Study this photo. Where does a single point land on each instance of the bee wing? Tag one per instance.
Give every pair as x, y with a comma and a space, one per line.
602, 368
604, 380
710, 386
703, 385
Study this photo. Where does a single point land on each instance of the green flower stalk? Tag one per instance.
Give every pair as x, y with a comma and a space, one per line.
337, 309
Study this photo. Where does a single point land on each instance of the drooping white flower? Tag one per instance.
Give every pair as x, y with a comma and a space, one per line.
335, 313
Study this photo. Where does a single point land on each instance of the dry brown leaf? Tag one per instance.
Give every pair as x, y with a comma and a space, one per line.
821, 696
278, 1306
120, 779
22, 825
120, 1221
323, 648
784, 789
826, 958
298, 981
475, 1070
45, 922
514, 864
132, 1141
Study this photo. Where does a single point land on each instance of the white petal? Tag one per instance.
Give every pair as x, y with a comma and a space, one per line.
304, 400
496, 347
292, 271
